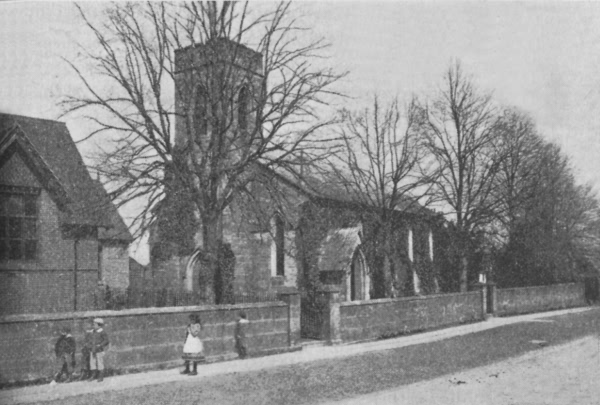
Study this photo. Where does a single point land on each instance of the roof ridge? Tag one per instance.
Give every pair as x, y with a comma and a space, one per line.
33, 118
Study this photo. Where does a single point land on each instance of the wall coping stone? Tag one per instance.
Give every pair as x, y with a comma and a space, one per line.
133, 312
540, 286
401, 299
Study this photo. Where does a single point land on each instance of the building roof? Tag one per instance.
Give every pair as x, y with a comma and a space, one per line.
52, 155
323, 188
338, 248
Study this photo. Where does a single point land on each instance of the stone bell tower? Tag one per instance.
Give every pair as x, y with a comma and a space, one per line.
217, 88
218, 85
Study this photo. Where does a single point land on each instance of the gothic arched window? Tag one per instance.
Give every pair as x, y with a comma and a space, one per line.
277, 246
201, 111
243, 109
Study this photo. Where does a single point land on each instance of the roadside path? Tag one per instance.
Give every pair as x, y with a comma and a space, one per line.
47, 392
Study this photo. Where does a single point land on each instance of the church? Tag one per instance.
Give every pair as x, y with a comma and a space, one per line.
314, 234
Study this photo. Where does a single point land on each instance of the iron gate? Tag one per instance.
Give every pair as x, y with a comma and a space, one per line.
311, 319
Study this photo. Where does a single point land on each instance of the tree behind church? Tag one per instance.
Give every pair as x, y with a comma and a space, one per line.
221, 130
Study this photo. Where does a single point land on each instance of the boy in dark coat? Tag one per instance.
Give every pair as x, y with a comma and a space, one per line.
241, 328
65, 354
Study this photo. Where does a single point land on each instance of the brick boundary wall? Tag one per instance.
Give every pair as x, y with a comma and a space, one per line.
367, 320
145, 338
512, 301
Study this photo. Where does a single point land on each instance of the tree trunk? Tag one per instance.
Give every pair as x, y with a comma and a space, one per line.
212, 234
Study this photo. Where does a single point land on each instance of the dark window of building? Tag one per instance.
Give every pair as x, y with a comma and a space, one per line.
201, 112
243, 109
18, 226
280, 245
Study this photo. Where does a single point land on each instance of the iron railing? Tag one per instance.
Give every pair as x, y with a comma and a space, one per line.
117, 299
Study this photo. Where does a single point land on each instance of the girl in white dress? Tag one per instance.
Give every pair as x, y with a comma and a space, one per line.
193, 349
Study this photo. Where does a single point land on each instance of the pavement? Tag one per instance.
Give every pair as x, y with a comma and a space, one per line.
311, 353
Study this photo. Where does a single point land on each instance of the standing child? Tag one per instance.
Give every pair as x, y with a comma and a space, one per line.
241, 327
98, 343
86, 353
65, 354
193, 349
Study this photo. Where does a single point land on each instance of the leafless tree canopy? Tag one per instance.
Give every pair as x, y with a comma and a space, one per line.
459, 129
195, 96
130, 100
381, 163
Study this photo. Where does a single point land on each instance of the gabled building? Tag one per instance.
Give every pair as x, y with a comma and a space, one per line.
60, 235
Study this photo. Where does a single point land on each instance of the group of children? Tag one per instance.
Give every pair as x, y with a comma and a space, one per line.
193, 348
96, 341
94, 344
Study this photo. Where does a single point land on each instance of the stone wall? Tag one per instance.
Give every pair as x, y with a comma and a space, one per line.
144, 338
521, 300
365, 320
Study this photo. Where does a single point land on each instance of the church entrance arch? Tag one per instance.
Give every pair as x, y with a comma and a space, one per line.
359, 286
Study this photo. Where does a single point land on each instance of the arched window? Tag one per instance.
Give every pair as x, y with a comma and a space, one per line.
278, 246
201, 112
243, 109
430, 245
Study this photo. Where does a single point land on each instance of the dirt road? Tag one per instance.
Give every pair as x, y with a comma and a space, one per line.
559, 375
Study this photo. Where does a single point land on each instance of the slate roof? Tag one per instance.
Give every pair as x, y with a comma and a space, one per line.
50, 148
337, 250
322, 187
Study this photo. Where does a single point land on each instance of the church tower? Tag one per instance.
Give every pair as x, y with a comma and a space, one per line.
218, 86
217, 89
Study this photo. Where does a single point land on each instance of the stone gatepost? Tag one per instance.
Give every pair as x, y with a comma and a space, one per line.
483, 289
492, 298
331, 315
292, 298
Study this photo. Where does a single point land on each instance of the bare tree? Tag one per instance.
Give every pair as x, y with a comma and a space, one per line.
380, 164
517, 141
459, 129
201, 143
552, 229
380, 168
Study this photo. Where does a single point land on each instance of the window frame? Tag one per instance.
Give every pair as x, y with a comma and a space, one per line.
200, 112
242, 108
17, 237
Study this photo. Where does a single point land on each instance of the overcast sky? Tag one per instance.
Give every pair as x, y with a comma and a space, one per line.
543, 57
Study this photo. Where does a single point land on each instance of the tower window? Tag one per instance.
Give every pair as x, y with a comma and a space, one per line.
201, 112
243, 109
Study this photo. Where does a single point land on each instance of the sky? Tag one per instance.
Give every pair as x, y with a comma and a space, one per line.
542, 57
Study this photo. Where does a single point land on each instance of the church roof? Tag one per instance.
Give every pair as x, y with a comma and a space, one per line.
323, 188
51, 154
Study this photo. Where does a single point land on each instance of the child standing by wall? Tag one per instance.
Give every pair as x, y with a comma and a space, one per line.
241, 328
193, 349
99, 342
65, 354
86, 352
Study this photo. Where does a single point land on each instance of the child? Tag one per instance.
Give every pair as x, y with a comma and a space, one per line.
98, 343
86, 353
241, 328
65, 354
193, 349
